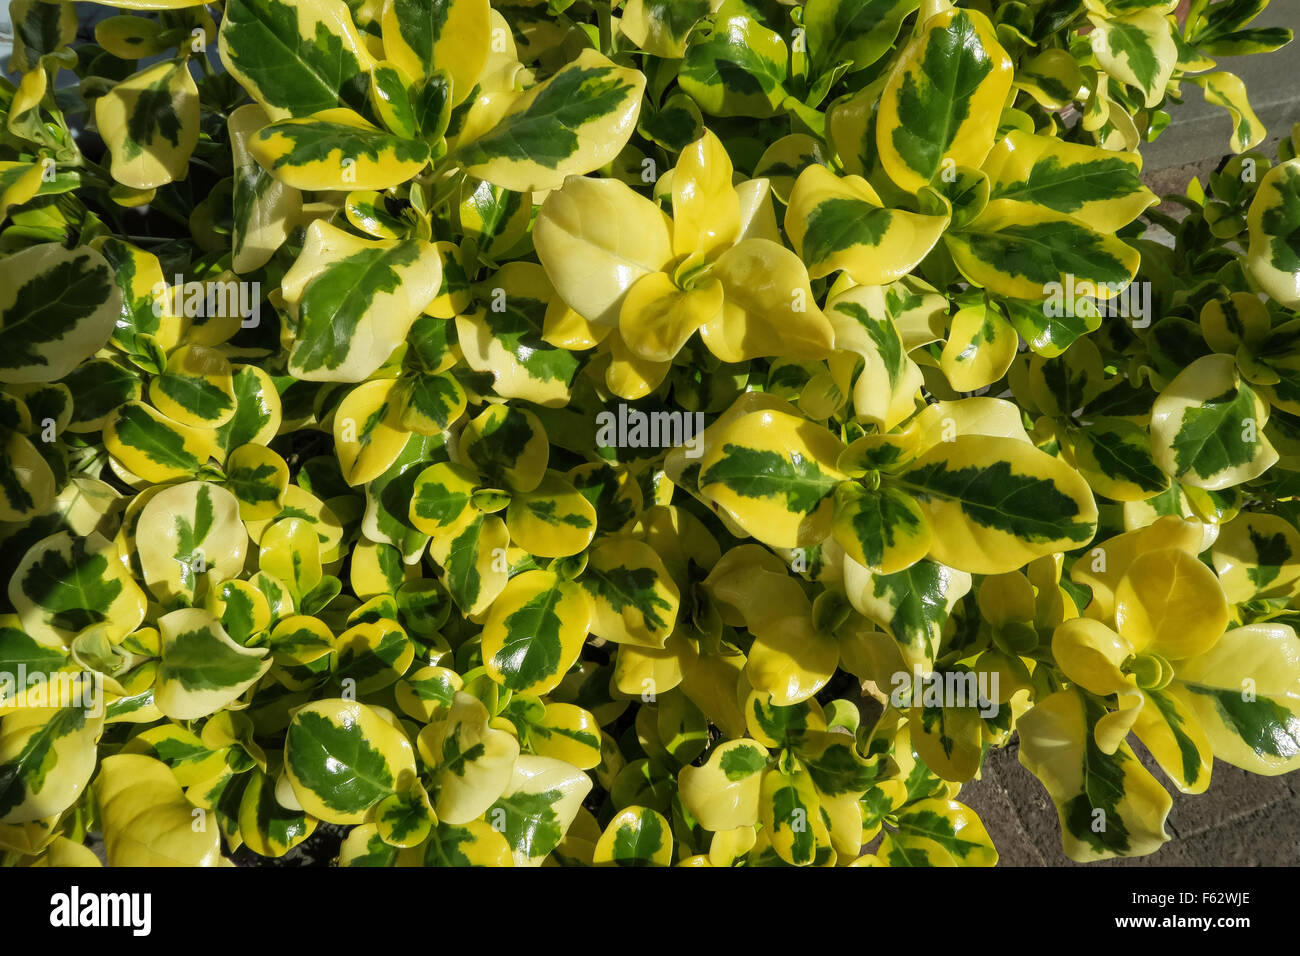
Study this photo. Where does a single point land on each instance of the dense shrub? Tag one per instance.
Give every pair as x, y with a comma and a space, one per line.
690, 432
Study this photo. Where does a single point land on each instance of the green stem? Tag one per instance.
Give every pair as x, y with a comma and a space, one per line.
165, 207
604, 19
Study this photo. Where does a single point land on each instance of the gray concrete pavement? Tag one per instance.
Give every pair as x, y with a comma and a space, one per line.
1200, 131
1242, 820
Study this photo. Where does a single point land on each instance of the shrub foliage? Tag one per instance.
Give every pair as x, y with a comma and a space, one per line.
648, 433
